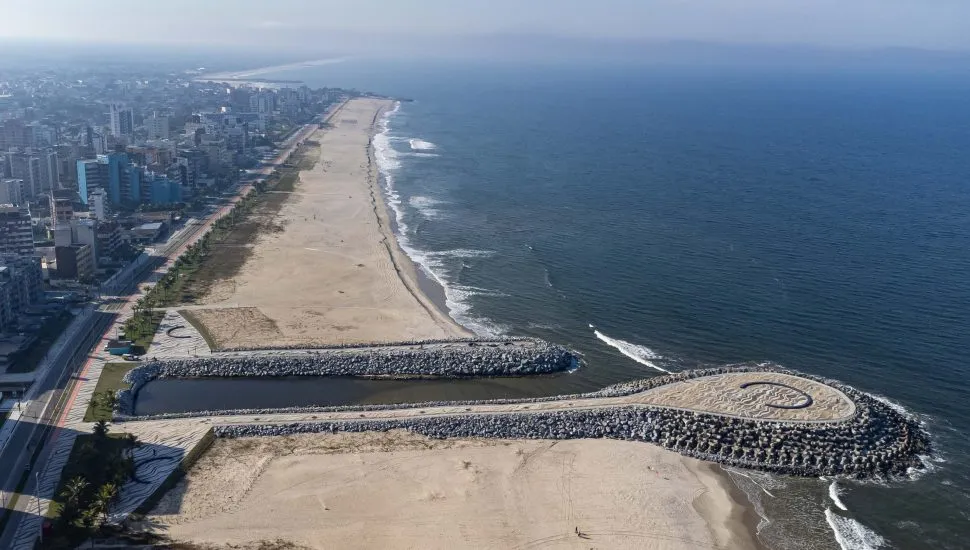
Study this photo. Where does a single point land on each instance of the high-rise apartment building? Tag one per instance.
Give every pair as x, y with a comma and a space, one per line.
25, 167
16, 231
50, 171
158, 126
122, 122
12, 192
98, 203
114, 173
15, 134
91, 175
21, 281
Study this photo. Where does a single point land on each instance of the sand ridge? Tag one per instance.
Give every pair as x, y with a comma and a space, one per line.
334, 273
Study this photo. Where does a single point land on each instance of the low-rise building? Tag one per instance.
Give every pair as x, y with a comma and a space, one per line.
146, 233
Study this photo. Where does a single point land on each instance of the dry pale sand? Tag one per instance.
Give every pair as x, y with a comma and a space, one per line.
399, 490
335, 273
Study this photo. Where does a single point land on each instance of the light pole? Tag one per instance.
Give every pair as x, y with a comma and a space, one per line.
37, 492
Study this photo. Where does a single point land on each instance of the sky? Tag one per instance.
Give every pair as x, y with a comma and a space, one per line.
418, 26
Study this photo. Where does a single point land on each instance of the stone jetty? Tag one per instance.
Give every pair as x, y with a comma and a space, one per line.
873, 440
432, 359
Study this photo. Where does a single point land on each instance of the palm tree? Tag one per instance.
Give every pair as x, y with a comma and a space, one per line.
109, 399
72, 493
73, 490
103, 500
100, 429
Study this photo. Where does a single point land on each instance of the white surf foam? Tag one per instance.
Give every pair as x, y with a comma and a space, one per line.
462, 253
421, 145
834, 492
852, 535
893, 405
753, 491
753, 480
433, 264
640, 354
426, 206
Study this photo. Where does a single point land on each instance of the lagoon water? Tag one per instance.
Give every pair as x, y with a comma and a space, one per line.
659, 218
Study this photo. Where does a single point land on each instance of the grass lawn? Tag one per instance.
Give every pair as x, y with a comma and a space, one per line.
110, 381
142, 339
28, 360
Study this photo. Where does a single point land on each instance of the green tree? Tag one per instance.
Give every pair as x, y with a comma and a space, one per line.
103, 500
74, 490
73, 495
100, 430
108, 399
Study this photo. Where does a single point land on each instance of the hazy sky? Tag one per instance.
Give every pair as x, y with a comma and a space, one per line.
286, 24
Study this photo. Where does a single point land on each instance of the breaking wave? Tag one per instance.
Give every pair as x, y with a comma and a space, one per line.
421, 145
834, 493
427, 206
640, 354
439, 266
852, 535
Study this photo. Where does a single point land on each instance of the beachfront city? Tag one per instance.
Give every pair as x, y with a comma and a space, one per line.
224, 324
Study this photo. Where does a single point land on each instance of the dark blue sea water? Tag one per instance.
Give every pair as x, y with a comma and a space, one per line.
819, 220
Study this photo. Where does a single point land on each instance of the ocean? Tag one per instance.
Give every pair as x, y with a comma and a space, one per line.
657, 218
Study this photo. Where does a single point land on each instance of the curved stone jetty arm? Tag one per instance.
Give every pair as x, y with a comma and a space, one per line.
753, 417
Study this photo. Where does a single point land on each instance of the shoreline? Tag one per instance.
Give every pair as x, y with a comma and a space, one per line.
725, 516
741, 520
244, 75
743, 513
330, 271
428, 292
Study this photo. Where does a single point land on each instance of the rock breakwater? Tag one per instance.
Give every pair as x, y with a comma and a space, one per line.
438, 359
876, 441
870, 446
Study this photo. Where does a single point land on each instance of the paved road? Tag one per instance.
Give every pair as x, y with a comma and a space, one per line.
55, 389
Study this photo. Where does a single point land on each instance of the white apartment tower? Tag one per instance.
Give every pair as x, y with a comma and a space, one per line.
158, 127
121, 119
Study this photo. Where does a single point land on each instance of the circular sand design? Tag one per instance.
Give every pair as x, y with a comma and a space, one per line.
754, 395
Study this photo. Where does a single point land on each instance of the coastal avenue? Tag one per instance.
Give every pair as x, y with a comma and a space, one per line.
55, 390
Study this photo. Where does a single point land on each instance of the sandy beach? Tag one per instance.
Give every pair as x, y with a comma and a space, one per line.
399, 490
334, 273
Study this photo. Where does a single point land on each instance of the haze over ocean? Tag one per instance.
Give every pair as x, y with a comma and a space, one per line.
816, 219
